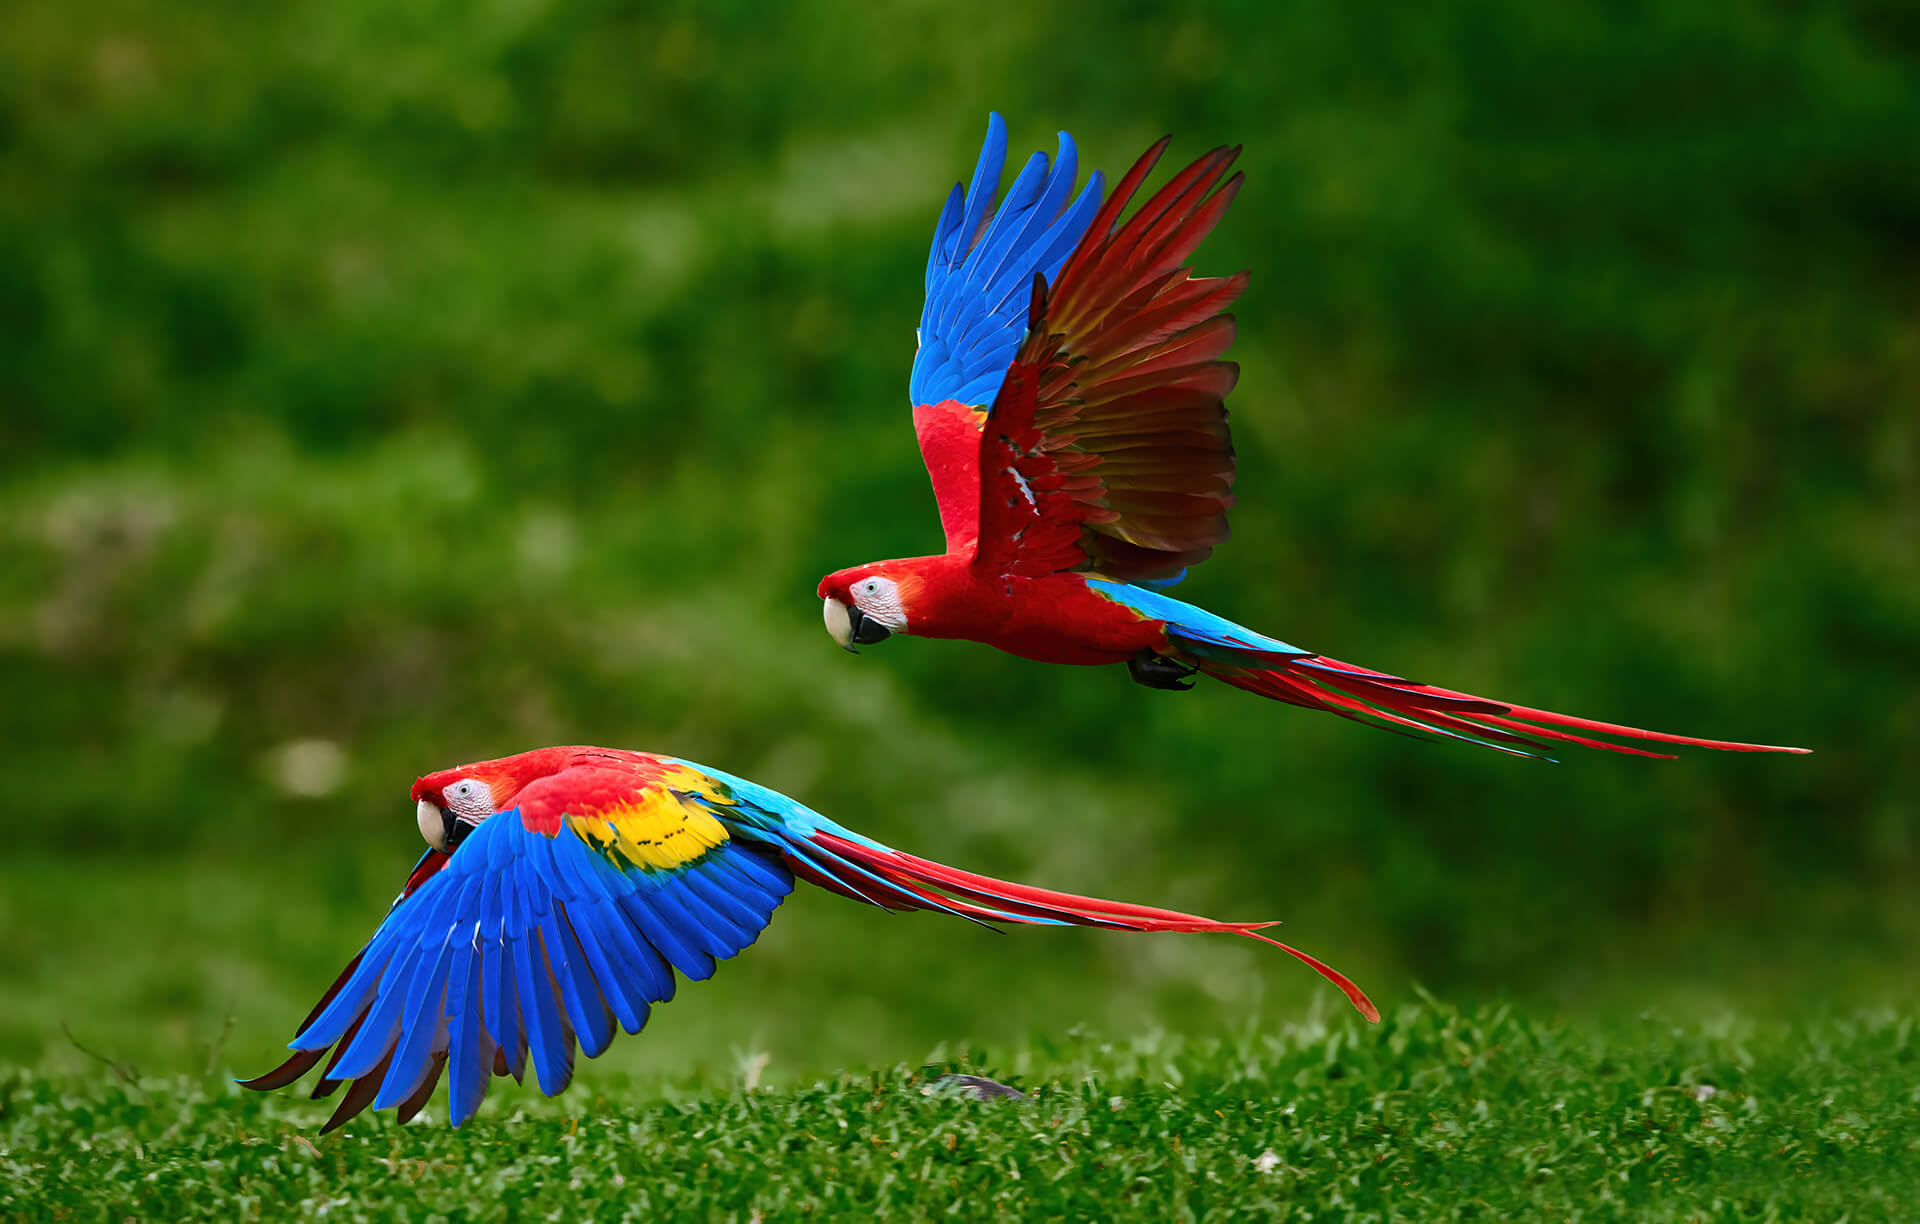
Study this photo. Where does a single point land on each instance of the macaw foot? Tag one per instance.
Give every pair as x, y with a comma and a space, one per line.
1158, 671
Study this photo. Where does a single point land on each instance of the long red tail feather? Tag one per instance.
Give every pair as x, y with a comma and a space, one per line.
1318, 682
918, 883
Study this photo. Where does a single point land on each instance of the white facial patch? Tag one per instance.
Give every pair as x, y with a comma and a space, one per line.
469, 799
879, 598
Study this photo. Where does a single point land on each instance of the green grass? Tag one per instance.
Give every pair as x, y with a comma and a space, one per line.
1439, 1113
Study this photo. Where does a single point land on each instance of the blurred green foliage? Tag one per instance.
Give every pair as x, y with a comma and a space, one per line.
391, 386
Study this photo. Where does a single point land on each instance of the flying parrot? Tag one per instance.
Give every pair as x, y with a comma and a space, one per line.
563, 887
1069, 401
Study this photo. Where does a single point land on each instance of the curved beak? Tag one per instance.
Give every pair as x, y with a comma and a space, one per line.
439, 826
435, 825
850, 625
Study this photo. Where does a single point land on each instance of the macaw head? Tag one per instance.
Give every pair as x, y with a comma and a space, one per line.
451, 803
866, 604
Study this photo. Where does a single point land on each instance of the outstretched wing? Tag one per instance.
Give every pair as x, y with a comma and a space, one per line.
1107, 446
546, 926
978, 273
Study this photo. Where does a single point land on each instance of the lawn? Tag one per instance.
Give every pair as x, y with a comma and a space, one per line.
1439, 1113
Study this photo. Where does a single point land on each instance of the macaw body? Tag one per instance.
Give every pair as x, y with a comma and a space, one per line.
1070, 404
563, 888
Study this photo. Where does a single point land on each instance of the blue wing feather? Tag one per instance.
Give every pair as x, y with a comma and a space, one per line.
523, 943
509, 1031
382, 1025
622, 991
586, 1005
667, 931
982, 263
469, 1064
546, 1043
641, 959
426, 1003
742, 922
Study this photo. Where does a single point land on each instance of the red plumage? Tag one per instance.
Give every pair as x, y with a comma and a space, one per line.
1106, 461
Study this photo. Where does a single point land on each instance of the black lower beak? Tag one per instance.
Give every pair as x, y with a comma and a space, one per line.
864, 629
453, 831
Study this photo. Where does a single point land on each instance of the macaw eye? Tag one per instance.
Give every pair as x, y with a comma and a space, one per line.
872, 586
469, 798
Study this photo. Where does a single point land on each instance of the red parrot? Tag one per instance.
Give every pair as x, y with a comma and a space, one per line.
1103, 468
564, 886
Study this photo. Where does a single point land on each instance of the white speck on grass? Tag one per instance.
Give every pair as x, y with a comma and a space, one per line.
1266, 1162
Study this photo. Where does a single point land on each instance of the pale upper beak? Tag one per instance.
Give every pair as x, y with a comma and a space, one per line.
433, 825
839, 623
850, 625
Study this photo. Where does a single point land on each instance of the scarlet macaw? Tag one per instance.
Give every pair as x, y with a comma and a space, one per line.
1102, 470
563, 887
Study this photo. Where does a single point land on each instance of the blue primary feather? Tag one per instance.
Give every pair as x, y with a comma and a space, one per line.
641, 959
586, 1004
622, 991
720, 935
524, 943
500, 1011
469, 1063
350, 1002
716, 892
982, 264
511, 1036
547, 1044
666, 932
412, 1054
382, 1025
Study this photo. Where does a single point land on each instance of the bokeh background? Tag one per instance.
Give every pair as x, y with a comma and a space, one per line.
388, 386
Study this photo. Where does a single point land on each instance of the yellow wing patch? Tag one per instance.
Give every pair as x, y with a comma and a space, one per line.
659, 830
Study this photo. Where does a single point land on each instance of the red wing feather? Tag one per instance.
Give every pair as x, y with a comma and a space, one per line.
1107, 448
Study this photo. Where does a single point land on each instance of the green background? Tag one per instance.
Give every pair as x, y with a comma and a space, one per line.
390, 386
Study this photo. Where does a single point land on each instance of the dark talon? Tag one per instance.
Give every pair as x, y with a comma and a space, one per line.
1158, 671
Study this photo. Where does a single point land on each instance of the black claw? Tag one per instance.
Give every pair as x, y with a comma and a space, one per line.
1160, 672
